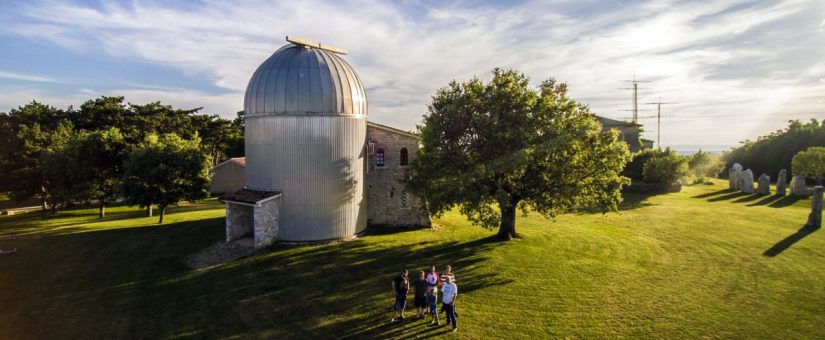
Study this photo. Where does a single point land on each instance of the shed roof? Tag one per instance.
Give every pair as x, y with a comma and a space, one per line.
249, 196
391, 129
610, 122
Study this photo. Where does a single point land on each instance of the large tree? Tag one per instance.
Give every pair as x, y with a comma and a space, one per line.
506, 144
165, 170
102, 154
810, 163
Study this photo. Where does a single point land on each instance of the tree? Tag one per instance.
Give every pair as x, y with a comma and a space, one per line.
666, 167
103, 153
703, 165
165, 170
28, 132
504, 143
810, 163
64, 174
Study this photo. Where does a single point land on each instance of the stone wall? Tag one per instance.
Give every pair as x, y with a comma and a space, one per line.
266, 222
238, 221
389, 203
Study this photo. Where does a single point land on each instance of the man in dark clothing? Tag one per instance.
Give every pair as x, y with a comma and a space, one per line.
400, 287
420, 301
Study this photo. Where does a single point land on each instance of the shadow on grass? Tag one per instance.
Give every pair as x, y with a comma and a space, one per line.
129, 282
766, 200
748, 198
785, 201
787, 242
715, 193
730, 196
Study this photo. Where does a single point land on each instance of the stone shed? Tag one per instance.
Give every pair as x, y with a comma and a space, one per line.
252, 214
390, 204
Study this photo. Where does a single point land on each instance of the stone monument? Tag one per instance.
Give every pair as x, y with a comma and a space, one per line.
798, 186
734, 176
780, 182
815, 218
764, 187
746, 181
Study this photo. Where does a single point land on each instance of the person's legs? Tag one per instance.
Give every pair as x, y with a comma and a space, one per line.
450, 315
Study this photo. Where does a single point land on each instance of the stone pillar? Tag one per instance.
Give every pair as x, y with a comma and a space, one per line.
746, 181
798, 186
764, 187
780, 182
266, 223
734, 175
815, 218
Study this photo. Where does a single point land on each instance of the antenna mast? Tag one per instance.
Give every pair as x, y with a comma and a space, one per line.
659, 120
635, 89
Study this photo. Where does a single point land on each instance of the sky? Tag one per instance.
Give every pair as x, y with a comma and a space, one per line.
734, 69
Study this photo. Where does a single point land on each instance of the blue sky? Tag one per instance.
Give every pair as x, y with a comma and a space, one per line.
738, 69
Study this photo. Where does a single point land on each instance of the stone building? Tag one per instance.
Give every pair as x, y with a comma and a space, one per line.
389, 204
629, 132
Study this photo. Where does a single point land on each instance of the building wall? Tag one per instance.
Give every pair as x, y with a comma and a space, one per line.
629, 134
227, 178
389, 202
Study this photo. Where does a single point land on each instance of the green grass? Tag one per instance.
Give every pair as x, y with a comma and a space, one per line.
700, 263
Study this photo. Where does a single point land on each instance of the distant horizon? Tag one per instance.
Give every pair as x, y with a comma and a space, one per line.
736, 69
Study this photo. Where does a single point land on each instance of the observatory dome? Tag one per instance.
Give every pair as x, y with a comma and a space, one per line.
301, 80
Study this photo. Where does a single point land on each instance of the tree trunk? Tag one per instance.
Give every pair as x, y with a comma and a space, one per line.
162, 212
148, 210
54, 209
507, 228
102, 212
43, 205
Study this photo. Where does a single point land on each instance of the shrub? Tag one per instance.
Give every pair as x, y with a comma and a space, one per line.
703, 165
666, 167
810, 163
635, 168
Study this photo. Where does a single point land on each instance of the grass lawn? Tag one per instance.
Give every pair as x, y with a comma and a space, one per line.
704, 262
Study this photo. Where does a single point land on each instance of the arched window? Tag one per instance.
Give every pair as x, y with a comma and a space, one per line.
404, 158
379, 157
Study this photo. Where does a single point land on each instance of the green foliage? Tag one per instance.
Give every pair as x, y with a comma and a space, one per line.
165, 170
61, 163
635, 168
810, 163
665, 167
504, 143
704, 165
773, 152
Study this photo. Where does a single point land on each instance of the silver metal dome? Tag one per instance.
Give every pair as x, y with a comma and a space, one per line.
300, 80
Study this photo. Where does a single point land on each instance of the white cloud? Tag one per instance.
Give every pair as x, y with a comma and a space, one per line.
705, 56
26, 77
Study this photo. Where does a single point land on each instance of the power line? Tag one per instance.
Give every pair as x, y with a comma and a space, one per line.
635, 89
659, 120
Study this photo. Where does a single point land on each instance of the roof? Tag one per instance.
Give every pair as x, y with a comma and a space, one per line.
305, 79
391, 129
237, 160
613, 122
250, 196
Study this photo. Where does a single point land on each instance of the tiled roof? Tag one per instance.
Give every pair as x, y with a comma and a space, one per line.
249, 196
239, 160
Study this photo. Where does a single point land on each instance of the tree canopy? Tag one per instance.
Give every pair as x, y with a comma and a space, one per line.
810, 163
773, 152
165, 170
506, 144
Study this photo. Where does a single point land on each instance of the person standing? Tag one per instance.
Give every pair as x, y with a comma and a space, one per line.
432, 299
432, 277
400, 287
420, 299
449, 293
448, 273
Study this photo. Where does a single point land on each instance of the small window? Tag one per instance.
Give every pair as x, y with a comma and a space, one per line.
403, 198
379, 157
404, 158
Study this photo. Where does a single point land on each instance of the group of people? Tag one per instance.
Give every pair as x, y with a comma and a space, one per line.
426, 295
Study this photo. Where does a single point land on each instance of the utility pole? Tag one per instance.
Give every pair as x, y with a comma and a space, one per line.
659, 120
635, 89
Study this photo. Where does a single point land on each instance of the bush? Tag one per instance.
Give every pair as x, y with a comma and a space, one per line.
667, 167
703, 165
810, 163
635, 168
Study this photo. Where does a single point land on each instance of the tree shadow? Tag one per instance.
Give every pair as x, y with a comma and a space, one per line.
787, 242
128, 282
